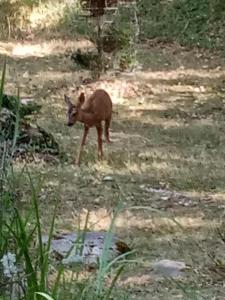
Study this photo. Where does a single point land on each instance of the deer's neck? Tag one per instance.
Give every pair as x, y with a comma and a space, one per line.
87, 118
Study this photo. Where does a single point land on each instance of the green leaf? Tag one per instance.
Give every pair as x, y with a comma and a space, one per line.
44, 295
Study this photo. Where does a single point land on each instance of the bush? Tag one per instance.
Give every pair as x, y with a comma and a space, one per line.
190, 22
13, 16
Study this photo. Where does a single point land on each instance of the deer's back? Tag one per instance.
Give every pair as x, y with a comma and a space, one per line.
100, 104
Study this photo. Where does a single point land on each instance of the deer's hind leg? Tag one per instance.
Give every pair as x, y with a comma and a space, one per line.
99, 132
107, 125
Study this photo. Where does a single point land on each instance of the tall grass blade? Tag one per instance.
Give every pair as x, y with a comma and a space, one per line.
44, 295
16, 129
22, 241
44, 268
29, 239
79, 242
3, 158
37, 216
57, 281
81, 236
105, 253
108, 294
191, 294
111, 263
2, 84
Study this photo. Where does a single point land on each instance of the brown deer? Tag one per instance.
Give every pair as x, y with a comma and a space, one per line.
91, 111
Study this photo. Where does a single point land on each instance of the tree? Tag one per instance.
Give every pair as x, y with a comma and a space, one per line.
110, 36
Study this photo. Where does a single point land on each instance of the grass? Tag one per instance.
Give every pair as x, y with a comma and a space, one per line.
19, 230
168, 135
191, 23
28, 266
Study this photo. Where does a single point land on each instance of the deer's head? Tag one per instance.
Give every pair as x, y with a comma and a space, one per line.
73, 110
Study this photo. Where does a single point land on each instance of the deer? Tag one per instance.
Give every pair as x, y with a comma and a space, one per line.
91, 112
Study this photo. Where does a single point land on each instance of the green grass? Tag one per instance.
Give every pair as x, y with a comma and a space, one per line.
191, 23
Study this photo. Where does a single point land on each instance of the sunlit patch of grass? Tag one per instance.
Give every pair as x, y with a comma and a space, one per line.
41, 48
35, 17
181, 75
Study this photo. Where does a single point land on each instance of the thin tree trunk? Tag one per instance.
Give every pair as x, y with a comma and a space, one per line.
99, 44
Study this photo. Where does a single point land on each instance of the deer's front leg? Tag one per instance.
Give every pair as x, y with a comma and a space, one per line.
99, 132
86, 129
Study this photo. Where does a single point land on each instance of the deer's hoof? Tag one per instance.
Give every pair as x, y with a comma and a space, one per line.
108, 141
100, 157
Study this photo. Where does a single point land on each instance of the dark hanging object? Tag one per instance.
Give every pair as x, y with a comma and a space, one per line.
97, 7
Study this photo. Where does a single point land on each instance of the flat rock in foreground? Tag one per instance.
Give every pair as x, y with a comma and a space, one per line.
85, 248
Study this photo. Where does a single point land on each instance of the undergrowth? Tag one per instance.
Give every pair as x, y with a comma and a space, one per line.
25, 268
189, 22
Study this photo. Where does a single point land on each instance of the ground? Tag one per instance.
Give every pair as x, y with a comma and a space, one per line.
165, 165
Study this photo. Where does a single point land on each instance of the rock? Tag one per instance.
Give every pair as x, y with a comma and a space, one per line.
169, 268
10, 272
26, 74
85, 248
97, 200
108, 178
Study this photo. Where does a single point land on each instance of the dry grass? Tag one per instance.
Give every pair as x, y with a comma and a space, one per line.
44, 18
167, 158
41, 48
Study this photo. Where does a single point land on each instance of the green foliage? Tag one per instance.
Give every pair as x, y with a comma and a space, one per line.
196, 23
16, 130
87, 60
19, 231
73, 22
122, 33
11, 103
16, 234
117, 38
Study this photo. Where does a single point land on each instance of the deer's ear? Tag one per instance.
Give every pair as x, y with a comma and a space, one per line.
67, 100
81, 98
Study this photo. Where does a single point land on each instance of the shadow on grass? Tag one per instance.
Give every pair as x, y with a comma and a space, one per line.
180, 144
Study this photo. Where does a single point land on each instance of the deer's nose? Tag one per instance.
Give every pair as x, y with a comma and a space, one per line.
69, 124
